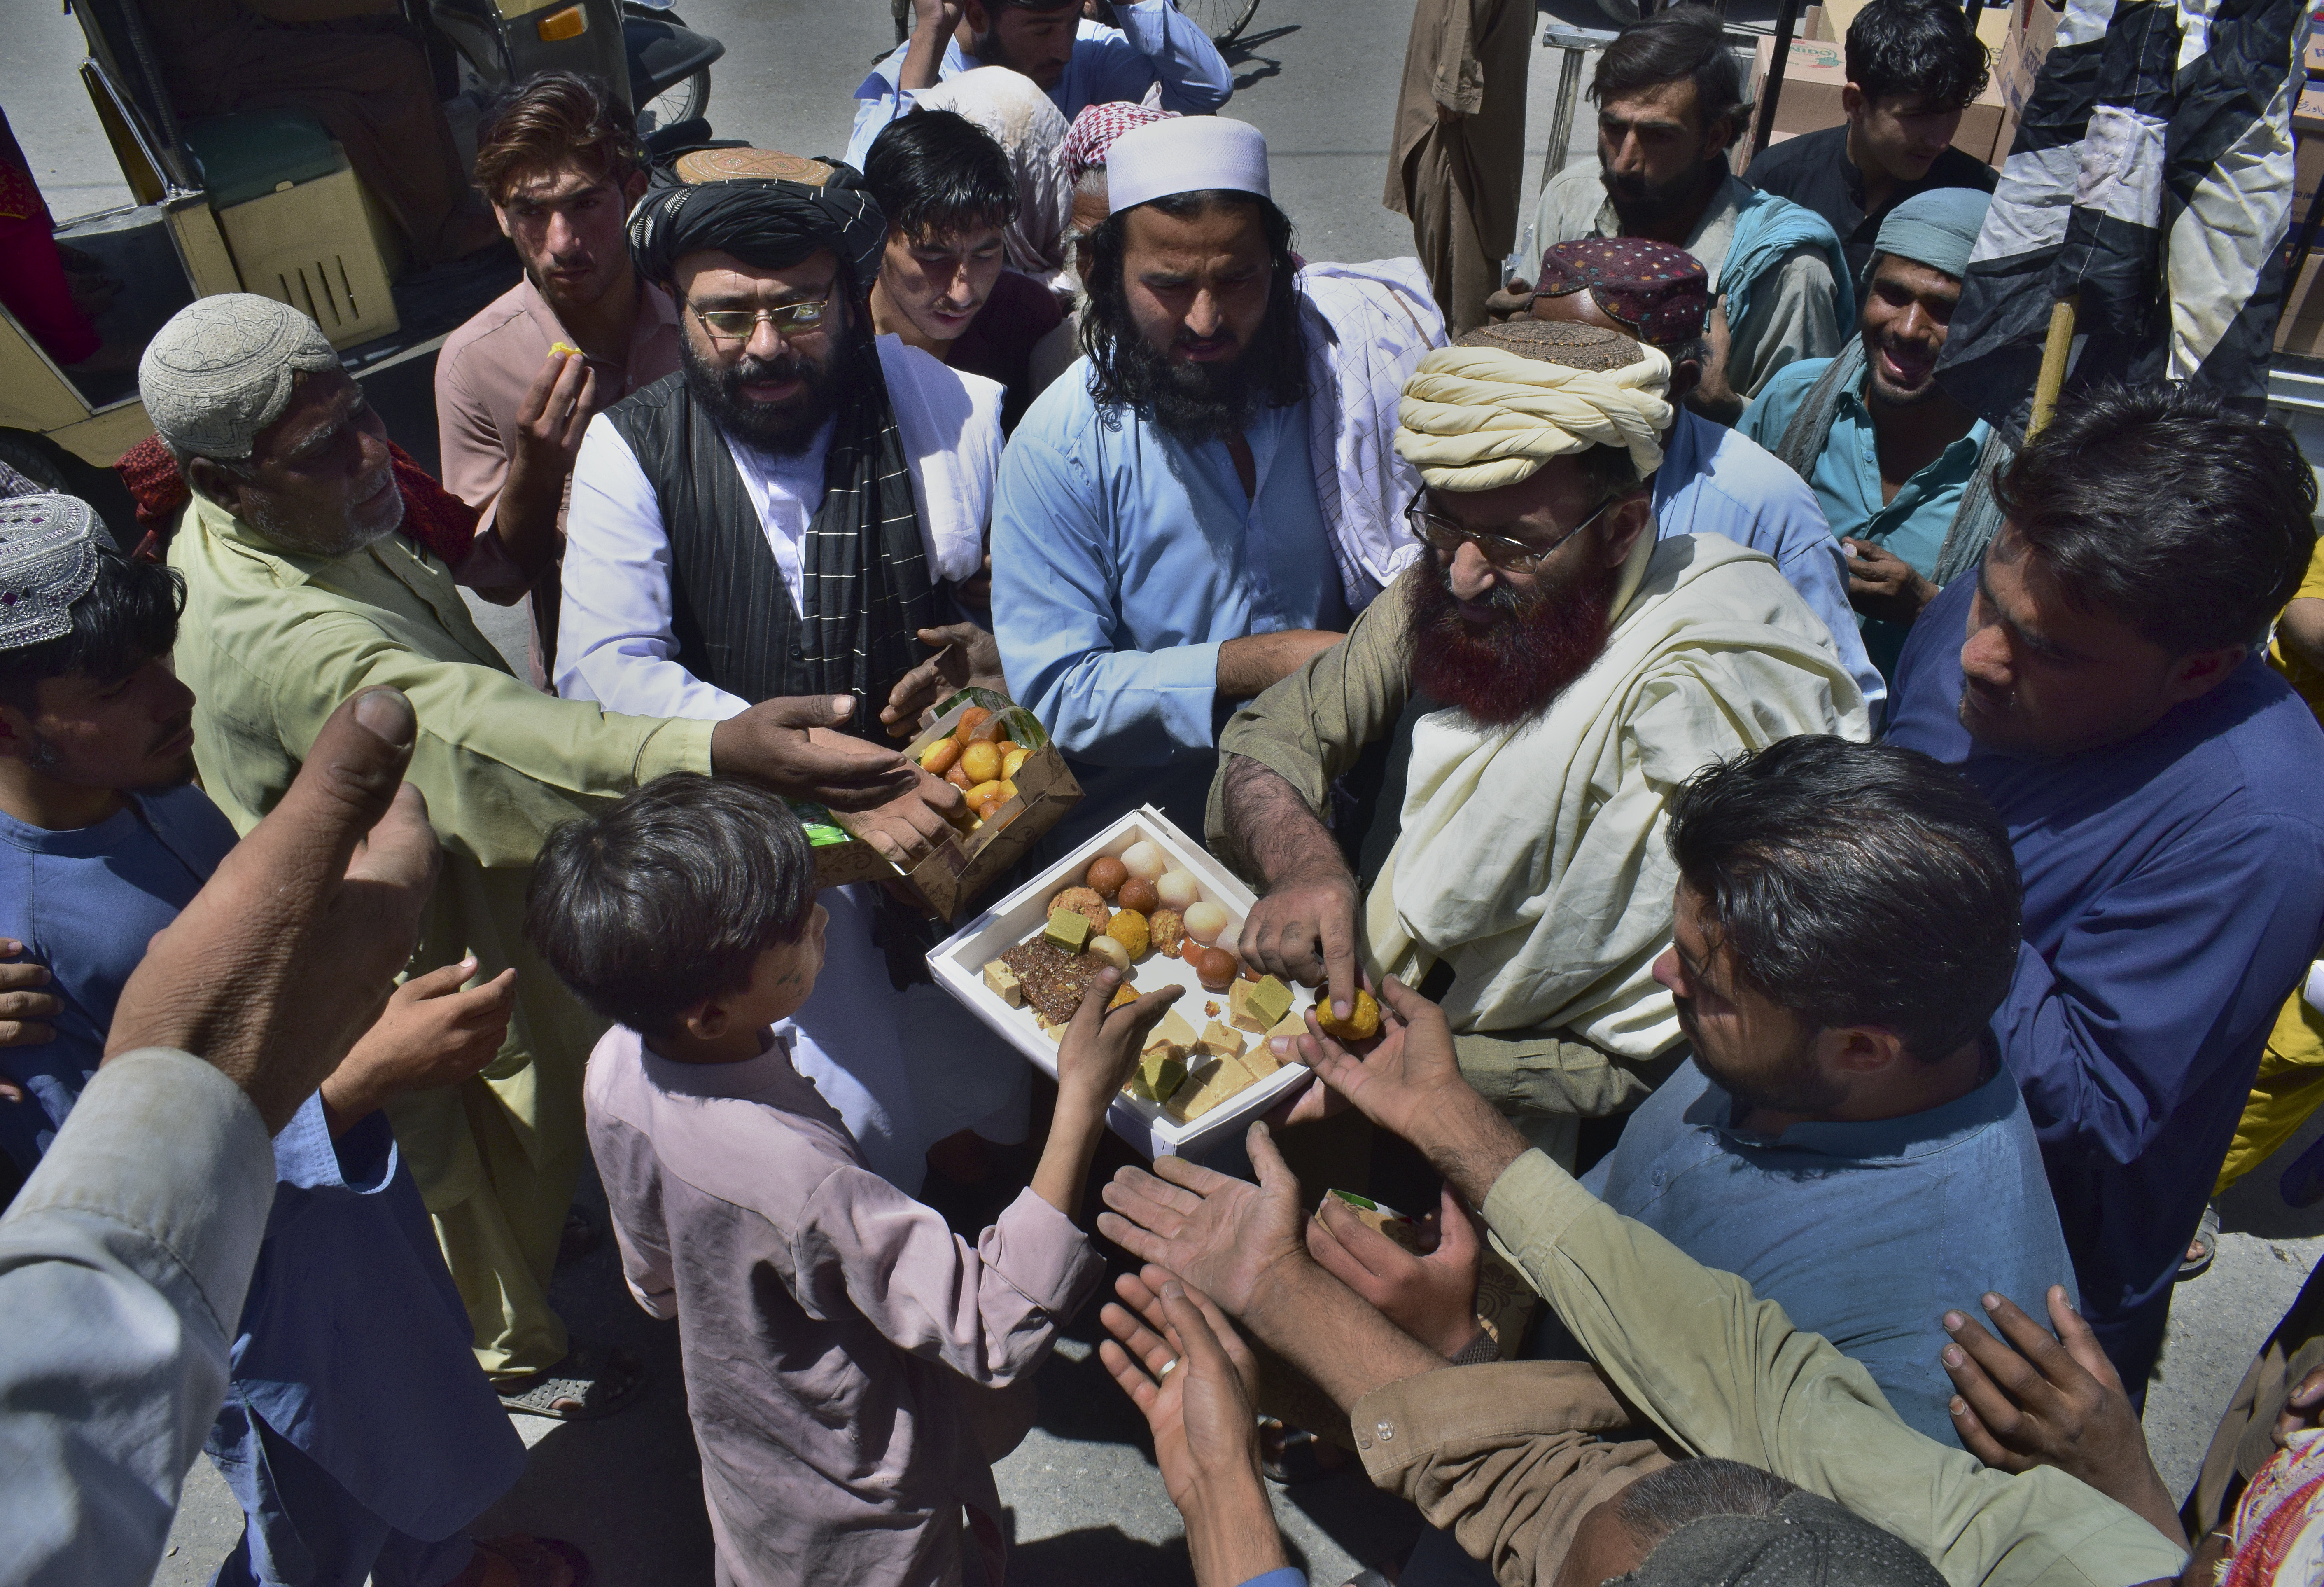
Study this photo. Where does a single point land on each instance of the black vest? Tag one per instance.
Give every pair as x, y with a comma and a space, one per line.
736, 626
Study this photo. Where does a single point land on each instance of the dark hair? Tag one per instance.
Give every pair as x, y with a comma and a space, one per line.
1678, 41
128, 617
551, 117
668, 898
936, 173
2157, 505
1279, 359
1921, 47
1855, 884
1660, 1502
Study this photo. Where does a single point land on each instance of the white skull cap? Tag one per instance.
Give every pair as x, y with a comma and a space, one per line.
1186, 154
49, 547
223, 369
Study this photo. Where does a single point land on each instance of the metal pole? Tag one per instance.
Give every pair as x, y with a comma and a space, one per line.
1561, 126
1969, 10
1786, 21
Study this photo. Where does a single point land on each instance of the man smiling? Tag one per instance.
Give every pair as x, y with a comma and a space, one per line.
1903, 472
2098, 678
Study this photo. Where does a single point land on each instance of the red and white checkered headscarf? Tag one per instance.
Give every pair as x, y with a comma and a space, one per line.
1095, 129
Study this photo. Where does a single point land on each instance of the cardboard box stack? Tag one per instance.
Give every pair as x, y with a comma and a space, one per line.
2301, 329
2019, 34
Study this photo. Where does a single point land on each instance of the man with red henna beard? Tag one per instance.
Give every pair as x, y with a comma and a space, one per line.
1532, 692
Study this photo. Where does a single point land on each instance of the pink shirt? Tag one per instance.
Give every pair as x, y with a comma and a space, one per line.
833, 1330
485, 367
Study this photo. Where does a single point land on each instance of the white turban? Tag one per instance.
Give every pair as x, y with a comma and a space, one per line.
1478, 417
223, 369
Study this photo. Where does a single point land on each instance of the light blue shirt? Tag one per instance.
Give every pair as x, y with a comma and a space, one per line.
1847, 481
1714, 481
1123, 561
1864, 1233
1155, 44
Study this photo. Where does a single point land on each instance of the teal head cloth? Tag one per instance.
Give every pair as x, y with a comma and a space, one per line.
1936, 228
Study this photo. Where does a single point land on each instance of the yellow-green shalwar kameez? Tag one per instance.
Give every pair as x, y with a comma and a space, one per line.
271, 643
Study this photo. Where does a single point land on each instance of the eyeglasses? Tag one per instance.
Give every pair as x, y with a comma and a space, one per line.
739, 325
1440, 533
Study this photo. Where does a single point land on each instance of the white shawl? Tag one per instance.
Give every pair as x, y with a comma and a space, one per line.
1367, 326
1532, 859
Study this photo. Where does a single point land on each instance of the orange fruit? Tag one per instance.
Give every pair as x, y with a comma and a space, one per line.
974, 717
981, 761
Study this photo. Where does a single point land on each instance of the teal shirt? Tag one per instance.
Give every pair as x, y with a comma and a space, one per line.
1846, 482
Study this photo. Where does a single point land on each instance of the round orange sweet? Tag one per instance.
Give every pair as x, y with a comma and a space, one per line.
1106, 875
1362, 1023
1129, 929
981, 761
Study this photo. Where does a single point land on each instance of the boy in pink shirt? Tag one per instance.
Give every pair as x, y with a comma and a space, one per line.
845, 1352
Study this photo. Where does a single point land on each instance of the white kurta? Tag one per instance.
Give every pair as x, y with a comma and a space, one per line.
616, 645
1533, 860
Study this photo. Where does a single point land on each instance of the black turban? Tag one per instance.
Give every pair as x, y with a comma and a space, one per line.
768, 222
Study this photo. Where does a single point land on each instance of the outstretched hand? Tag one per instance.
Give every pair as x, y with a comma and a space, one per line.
1432, 1295
2039, 1401
1182, 1364
1222, 1235
289, 953
1410, 1084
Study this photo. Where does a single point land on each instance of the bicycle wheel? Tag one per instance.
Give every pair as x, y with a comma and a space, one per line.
1221, 19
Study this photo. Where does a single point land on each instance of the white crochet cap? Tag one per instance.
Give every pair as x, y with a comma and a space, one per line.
1187, 154
223, 369
47, 560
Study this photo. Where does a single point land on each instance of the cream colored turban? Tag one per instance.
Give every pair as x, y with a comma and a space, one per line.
1492, 410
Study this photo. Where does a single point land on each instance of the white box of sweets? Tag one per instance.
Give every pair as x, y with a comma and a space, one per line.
960, 960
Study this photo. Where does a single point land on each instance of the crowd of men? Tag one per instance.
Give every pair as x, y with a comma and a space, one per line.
1837, 877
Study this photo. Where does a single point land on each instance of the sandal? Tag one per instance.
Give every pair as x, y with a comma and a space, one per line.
2202, 1248
518, 1561
1292, 1456
591, 1381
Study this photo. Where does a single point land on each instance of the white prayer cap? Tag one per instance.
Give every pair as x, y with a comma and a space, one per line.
49, 547
223, 369
1189, 154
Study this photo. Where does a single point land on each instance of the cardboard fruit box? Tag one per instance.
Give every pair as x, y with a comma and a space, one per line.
948, 879
959, 962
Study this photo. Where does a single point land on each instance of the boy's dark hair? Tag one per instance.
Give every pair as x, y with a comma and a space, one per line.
128, 617
2158, 506
551, 117
667, 900
1922, 47
937, 173
1277, 360
1679, 41
1855, 884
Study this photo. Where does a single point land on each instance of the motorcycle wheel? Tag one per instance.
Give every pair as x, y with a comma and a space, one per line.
1221, 19
684, 99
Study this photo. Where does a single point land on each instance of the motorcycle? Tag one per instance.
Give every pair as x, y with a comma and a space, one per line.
642, 48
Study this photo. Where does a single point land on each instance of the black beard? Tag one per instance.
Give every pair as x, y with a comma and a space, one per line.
1190, 403
787, 430
1641, 204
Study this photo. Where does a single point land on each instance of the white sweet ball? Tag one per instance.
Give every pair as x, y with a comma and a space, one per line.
1177, 891
1145, 858
1204, 921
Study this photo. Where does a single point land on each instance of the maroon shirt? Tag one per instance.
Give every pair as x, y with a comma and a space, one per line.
999, 342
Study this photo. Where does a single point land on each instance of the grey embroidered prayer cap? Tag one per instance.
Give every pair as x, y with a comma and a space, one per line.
49, 547
223, 369
1807, 1541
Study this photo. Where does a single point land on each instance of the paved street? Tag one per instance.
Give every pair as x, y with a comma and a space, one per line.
1320, 77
